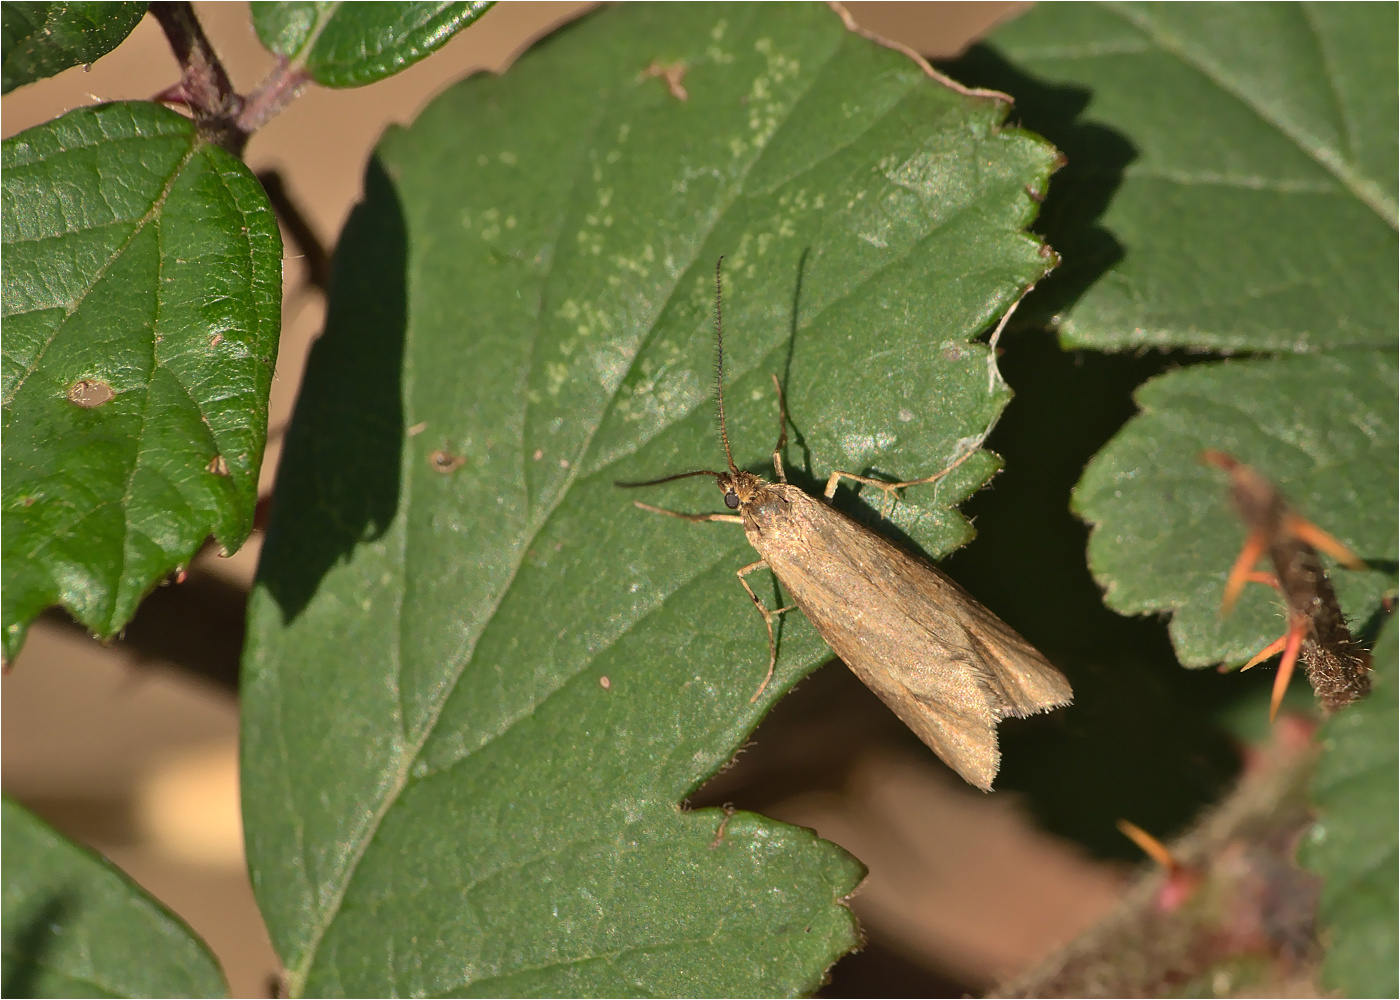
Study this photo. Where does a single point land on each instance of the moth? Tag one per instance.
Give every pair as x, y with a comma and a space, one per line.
948, 667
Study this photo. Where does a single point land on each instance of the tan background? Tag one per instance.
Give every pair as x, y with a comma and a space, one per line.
132, 748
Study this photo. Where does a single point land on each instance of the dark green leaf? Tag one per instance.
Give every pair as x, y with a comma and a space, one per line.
1353, 845
478, 680
1165, 536
1232, 169
41, 39
350, 45
75, 926
142, 287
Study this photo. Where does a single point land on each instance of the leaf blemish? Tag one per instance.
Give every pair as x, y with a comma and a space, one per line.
672, 74
445, 462
90, 393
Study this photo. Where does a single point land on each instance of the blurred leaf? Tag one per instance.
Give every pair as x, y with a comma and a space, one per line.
478, 680
350, 45
75, 926
1232, 169
1353, 845
142, 289
41, 39
1165, 535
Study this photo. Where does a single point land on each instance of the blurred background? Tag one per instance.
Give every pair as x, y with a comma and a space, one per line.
131, 748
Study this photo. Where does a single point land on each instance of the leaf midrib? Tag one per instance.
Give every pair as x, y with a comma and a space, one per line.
410, 749
196, 144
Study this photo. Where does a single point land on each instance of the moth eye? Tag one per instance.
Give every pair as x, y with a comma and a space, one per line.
731, 500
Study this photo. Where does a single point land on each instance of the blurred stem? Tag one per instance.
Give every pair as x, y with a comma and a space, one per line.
1232, 916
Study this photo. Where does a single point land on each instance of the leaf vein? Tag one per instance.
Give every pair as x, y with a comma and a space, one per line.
1365, 190
70, 309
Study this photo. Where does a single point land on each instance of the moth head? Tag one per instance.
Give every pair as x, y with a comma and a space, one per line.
739, 488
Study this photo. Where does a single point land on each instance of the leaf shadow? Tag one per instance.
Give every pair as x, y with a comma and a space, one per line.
26, 953
1141, 740
345, 441
1080, 193
798, 439
1369, 631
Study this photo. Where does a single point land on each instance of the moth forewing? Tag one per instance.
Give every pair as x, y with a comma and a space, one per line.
947, 666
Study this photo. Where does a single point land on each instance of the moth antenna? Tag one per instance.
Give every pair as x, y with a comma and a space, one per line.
667, 479
719, 362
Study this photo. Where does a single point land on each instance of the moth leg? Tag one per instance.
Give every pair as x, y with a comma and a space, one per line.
889, 488
782, 432
694, 518
767, 620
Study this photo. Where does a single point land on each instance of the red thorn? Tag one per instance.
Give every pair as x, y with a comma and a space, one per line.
1150, 845
1273, 648
1181, 881
1218, 459
1296, 630
1254, 547
1302, 528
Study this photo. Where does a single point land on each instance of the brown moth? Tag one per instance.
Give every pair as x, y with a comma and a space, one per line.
948, 667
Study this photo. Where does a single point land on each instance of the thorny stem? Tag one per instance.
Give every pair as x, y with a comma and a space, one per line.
1237, 914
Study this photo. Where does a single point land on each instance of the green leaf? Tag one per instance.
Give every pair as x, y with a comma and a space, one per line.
75, 926
1353, 845
350, 45
1165, 536
142, 289
1232, 170
478, 680
41, 39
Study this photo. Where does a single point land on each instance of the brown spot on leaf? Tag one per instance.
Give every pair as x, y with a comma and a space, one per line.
217, 465
604, 682
672, 73
417, 429
89, 393
216, 340
445, 462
